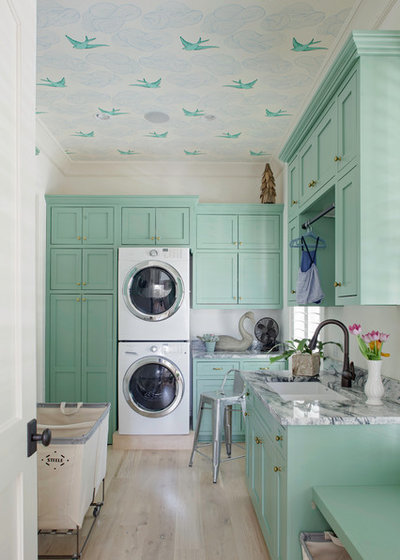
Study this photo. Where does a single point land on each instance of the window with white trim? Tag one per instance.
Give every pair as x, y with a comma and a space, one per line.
305, 320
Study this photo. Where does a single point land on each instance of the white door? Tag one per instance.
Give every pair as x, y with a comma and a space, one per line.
18, 515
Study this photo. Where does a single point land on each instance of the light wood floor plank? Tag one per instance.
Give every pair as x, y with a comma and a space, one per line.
157, 508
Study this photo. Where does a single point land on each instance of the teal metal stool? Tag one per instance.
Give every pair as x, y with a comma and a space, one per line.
220, 403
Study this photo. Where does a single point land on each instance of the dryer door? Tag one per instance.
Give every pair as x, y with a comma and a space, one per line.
153, 386
153, 290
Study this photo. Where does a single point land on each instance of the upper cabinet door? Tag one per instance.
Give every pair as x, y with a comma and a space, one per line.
348, 130
308, 169
172, 226
293, 187
98, 226
326, 145
138, 226
215, 278
347, 240
260, 232
98, 269
260, 280
66, 225
217, 231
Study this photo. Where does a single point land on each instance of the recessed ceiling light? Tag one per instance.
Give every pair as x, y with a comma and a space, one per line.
102, 116
156, 117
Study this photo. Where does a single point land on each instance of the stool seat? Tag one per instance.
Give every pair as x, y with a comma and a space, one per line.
220, 402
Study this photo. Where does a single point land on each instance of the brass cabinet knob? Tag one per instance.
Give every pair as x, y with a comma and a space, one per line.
277, 469
84, 238
292, 291
278, 438
337, 284
83, 283
257, 440
234, 242
313, 183
78, 299
79, 237
294, 202
337, 158
158, 238
152, 238
247, 394
84, 299
234, 297
78, 283
240, 298
240, 242
246, 413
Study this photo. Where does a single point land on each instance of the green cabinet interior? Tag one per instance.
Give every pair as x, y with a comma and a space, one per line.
359, 163
155, 226
208, 376
284, 463
238, 256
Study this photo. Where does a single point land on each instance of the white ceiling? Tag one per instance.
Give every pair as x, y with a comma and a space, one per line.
231, 78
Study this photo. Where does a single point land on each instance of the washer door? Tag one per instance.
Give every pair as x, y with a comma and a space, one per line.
153, 290
153, 386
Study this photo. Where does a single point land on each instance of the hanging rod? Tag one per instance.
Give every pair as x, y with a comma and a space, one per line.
309, 222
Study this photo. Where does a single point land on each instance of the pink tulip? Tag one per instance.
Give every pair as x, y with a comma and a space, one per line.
383, 337
355, 329
366, 337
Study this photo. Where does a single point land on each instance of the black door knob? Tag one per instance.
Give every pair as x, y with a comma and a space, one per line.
33, 437
44, 437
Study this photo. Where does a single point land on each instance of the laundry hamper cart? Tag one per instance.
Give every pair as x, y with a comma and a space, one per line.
72, 468
322, 546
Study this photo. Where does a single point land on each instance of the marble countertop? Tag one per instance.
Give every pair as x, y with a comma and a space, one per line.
300, 413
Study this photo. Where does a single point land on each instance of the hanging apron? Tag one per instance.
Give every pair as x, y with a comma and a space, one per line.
308, 288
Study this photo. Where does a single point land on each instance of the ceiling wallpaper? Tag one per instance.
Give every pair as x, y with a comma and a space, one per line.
168, 80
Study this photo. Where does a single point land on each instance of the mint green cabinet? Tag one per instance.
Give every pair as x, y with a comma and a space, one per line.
308, 169
82, 225
81, 349
293, 261
348, 124
155, 226
87, 269
238, 257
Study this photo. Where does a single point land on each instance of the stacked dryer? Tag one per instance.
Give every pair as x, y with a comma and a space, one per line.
153, 334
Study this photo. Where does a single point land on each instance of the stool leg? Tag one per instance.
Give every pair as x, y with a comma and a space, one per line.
196, 433
216, 427
228, 429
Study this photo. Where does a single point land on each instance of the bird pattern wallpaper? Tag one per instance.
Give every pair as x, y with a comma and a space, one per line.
175, 80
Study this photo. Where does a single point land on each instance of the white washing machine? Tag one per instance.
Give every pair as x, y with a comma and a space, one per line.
153, 293
153, 387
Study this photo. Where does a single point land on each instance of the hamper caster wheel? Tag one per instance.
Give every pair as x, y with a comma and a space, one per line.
96, 511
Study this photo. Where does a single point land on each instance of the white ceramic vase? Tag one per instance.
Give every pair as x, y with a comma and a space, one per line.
374, 388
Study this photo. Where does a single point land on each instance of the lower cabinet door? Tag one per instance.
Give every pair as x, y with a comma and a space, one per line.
97, 348
64, 343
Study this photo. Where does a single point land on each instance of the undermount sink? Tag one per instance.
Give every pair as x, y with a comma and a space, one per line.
304, 391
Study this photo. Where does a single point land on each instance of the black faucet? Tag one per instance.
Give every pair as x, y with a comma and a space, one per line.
348, 368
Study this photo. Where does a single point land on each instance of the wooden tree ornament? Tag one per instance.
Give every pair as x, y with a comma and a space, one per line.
268, 192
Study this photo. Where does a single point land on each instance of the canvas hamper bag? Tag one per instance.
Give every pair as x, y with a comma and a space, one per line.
322, 546
72, 467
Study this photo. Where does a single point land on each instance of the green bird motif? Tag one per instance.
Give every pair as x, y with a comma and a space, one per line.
127, 152
155, 135
84, 134
113, 112
261, 153
238, 84
40, 112
51, 83
197, 46
69, 152
144, 83
194, 153
280, 113
37, 151
86, 44
229, 135
196, 113
299, 47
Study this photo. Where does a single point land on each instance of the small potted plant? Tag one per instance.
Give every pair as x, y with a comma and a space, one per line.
209, 340
304, 361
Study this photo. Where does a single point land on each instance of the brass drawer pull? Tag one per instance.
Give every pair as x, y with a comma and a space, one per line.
257, 440
263, 368
277, 469
278, 438
217, 368
246, 413
294, 202
83, 283
158, 239
337, 158
78, 283
337, 284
